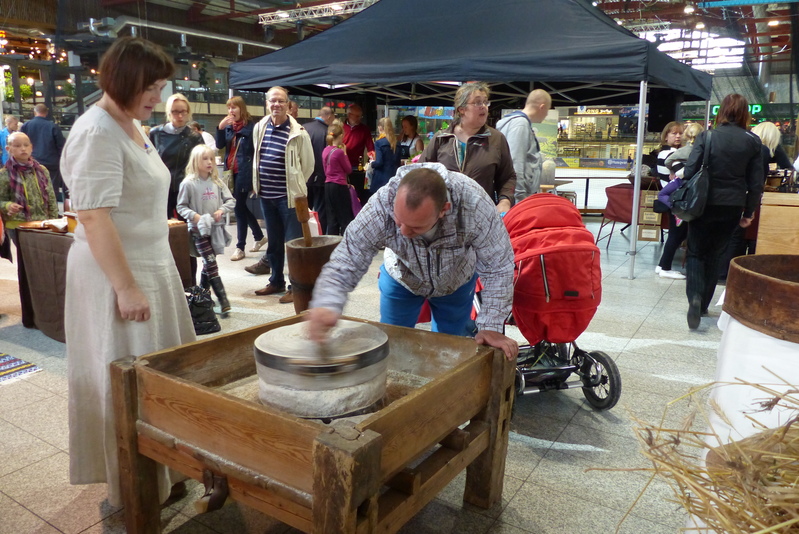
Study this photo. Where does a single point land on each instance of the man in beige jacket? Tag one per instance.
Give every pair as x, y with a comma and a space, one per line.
282, 164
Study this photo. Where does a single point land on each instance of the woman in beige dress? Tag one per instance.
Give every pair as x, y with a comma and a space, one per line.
123, 296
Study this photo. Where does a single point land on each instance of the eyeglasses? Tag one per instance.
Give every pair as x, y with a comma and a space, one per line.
180, 112
279, 102
480, 104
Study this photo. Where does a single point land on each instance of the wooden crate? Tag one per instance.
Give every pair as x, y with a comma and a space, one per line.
371, 478
779, 220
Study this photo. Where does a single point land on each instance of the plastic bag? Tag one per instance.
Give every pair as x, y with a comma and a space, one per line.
201, 307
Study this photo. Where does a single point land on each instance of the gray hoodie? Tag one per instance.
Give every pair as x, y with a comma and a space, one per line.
525, 152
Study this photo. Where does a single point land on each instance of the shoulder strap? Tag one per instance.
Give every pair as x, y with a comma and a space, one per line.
707, 149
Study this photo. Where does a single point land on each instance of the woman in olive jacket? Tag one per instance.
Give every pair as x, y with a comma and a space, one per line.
736, 184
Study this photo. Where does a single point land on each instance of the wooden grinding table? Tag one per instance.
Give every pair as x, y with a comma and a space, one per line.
171, 408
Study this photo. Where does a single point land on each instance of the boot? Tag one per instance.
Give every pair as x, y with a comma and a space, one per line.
204, 281
219, 289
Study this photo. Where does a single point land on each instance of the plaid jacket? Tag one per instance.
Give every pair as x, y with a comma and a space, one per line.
469, 238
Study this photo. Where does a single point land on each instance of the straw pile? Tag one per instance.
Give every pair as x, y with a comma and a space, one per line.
745, 486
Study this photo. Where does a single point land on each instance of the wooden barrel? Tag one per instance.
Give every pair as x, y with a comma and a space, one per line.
763, 294
305, 264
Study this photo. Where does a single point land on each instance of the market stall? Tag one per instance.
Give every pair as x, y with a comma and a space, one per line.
588, 59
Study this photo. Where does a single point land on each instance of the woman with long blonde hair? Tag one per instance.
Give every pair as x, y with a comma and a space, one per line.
203, 201
387, 155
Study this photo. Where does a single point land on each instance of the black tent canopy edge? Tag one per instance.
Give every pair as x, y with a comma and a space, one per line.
588, 60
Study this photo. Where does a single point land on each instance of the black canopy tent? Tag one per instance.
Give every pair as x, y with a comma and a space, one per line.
404, 50
396, 47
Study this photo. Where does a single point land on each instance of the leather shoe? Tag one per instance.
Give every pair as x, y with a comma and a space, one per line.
258, 268
287, 298
270, 290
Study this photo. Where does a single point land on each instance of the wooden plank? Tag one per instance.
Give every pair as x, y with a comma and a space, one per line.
137, 474
416, 422
215, 361
780, 199
407, 481
244, 489
346, 473
777, 232
485, 476
254, 436
438, 470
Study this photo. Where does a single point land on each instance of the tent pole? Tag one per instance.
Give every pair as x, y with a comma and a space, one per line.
639, 154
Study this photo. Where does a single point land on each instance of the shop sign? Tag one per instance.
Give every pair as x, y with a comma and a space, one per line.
585, 110
435, 112
572, 163
604, 163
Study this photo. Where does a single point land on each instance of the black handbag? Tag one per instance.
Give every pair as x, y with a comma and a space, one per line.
688, 201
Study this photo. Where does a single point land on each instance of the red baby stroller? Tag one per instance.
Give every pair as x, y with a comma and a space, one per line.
557, 289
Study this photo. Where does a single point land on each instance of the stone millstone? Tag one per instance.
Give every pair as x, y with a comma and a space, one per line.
301, 377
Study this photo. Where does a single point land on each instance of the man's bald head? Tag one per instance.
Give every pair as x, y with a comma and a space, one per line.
537, 105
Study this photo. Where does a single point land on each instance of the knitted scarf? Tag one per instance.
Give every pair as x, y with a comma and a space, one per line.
15, 172
232, 163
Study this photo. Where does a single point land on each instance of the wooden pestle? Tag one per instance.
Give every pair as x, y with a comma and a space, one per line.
303, 215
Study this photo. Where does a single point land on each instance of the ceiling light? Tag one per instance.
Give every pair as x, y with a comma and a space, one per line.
773, 22
700, 25
336, 7
283, 15
689, 9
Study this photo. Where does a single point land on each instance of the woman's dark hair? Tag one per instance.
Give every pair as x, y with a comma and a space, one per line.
734, 109
414, 124
130, 66
239, 102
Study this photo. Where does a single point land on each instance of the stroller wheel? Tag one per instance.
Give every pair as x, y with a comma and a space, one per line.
602, 380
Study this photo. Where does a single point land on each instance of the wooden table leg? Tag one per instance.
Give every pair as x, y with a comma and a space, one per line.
485, 476
137, 473
346, 478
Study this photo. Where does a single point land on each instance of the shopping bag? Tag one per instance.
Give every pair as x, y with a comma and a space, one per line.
356, 203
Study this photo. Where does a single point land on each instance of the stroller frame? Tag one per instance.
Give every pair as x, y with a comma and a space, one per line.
549, 366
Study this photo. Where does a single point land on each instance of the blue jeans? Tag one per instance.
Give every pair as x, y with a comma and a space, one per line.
245, 218
451, 313
281, 226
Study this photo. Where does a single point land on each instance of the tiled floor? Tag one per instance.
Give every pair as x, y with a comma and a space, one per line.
555, 437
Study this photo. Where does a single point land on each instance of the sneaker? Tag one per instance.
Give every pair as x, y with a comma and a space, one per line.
694, 312
678, 220
674, 275
258, 268
287, 298
258, 244
658, 269
238, 255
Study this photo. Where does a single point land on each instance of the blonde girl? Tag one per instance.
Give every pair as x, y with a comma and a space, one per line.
203, 200
387, 155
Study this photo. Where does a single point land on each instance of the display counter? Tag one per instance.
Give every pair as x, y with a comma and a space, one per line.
45, 259
778, 232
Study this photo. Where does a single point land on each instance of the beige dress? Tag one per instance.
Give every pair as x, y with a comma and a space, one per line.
104, 168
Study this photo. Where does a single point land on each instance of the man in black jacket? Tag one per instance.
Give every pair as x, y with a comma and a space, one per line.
317, 129
47, 141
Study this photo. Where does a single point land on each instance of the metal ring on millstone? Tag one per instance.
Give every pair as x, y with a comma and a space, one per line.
351, 346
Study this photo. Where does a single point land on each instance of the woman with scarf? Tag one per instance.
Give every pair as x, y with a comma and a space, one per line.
26, 194
235, 136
